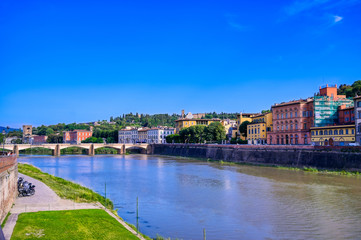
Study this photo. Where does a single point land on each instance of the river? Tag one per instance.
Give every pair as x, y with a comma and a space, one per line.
180, 197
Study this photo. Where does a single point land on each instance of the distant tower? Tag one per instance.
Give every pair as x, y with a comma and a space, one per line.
27, 133
183, 113
91, 128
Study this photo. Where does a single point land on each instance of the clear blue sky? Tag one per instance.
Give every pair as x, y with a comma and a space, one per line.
78, 61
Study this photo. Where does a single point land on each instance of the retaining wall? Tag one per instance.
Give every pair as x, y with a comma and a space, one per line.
269, 155
8, 184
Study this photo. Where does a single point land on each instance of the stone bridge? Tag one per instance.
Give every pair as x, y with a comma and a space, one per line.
56, 147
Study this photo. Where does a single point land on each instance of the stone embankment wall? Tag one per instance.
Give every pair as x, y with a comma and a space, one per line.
8, 184
299, 156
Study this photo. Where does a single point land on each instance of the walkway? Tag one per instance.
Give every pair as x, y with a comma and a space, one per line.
45, 199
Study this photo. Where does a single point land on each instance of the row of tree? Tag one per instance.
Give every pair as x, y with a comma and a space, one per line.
350, 90
215, 132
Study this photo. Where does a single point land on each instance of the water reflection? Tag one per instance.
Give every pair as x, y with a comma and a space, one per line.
180, 197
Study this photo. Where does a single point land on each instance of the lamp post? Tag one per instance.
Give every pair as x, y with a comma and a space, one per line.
4, 141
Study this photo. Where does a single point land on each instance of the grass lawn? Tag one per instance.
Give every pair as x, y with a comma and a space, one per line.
64, 188
73, 224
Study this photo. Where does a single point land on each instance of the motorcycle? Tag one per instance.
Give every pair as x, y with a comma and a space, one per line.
25, 188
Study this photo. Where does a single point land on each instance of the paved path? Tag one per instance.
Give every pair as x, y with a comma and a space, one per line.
45, 199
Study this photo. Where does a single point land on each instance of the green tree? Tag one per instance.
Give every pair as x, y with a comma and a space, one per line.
243, 128
215, 132
173, 137
49, 131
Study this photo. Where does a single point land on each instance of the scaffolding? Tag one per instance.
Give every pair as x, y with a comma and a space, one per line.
325, 109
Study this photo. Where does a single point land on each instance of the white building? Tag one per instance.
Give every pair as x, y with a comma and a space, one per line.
125, 135
158, 135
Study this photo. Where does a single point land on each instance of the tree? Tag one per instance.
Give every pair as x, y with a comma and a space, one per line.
215, 132
243, 128
173, 138
265, 111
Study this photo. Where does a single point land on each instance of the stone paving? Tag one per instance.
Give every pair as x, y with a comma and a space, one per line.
45, 199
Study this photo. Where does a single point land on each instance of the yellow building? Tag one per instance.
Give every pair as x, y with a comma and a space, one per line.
339, 135
185, 122
242, 117
258, 128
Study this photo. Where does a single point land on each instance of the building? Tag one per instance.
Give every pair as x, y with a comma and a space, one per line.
357, 104
76, 136
189, 120
27, 133
346, 115
292, 122
326, 105
39, 139
158, 135
125, 135
143, 135
339, 135
229, 126
259, 128
242, 117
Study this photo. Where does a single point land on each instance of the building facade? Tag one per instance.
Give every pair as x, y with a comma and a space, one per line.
125, 135
259, 128
39, 139
158, 135
242, 117
76, 136
189, 121
292, 122
357, 104
326, 105
143, 135
346, 115
339, 135
27, 133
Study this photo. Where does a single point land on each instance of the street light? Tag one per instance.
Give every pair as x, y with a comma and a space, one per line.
3, 141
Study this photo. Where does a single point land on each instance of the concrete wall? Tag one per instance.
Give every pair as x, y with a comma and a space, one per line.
8, 184
279, 155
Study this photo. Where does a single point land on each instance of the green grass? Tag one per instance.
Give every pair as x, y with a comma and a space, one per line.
74, 224
64, 188
5, 220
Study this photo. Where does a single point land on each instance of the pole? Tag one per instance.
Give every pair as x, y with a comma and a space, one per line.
204, 234
137, 218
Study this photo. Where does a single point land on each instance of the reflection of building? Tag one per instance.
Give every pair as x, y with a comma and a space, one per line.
292, 122
27, 133
158, 135
339, 135
189, 120
242, 117
258, 129
76, 136
357, 103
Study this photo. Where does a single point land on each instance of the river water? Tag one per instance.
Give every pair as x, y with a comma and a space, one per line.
180, 197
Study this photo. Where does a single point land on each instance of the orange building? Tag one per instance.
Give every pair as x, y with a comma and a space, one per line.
76, 136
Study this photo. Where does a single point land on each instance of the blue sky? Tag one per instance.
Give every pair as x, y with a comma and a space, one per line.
79, 61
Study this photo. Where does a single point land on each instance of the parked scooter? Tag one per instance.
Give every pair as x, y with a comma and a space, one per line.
25, 188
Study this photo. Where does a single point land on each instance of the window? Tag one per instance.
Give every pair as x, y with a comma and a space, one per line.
347, 113
346, 131
325, 132
296, 126
291, 127
282, 115
335, 132
305, 126
312, 133
321, 132
290, 115
278, 116
286, 115
341, 132
330, 132
282, 127
316, 132
346, 119
304, 113
295, 114
359, 104
286, 127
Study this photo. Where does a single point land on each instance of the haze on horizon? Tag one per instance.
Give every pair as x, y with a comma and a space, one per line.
81, 61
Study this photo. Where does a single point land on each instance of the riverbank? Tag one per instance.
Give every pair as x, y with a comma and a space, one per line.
65, 189
303, 157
